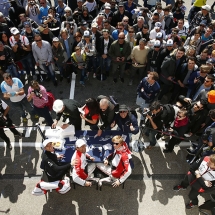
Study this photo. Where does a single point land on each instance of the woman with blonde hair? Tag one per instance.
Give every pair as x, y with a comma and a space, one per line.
59, 55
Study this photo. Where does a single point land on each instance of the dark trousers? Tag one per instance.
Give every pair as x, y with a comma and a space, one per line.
193, 192
44, 112
164, 90
177, 90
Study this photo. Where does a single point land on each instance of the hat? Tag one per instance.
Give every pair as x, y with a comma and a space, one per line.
157, 43
47, 141
27, 24
211, 96
158, 25
94, 25
203, 22
57, 105
121, 4
55, 39
123, 108
80, 142
14, 31
83, 22
211, 61
79, 0
86, 33
206, 7
107, 6
159, 35
169, 42
1, 14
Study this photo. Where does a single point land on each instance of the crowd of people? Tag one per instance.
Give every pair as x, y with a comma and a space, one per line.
173, 60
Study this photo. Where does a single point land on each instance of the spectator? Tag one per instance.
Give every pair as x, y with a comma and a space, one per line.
153, 20
68, 109
82, 171
169, 68
83, 27
120, 28
107, 12
211, 62
6, 20
43, 57
193, 40
202, 58
4, 8
59, 55
78, 11
80, 62
200, 28
6, 121
95, 33
4, 28
200, 177
13, 89
37, 93
91, 5
98, 21
60, 8
43, 10
77, 38
183, 31
130, 5
85, 16
140, 24
178, 14
143, 34
105, 42
14, 11
174, 36
139, 58
67, 16
120, 168
46, 34
110, 28
157, 29
119, 52
32, 11
22, 49
168, 19
211, 47
6, 61
179, 128
71, 27
4, 38
125, 22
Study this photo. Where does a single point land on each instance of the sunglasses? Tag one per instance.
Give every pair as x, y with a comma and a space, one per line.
156, 47
178, 106
174, 33
116, 144
121, 38
131, 32
122, 111
207, 81
37, 41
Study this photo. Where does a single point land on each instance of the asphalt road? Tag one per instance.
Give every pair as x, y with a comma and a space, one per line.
147, 192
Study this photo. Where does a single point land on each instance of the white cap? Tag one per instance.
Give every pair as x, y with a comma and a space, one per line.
14, 31
107, 5
169, 42
206, 7
57, 105
80, 142
1, 14
159, 35
157, 43
47, 141
86, 33
158, 25
94, 25
55, 39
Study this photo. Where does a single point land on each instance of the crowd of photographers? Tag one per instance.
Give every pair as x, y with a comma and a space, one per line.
174, 62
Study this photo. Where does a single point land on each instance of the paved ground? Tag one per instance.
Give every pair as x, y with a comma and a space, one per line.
147, 192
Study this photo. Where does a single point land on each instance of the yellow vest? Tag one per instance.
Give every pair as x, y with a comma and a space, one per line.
74, 56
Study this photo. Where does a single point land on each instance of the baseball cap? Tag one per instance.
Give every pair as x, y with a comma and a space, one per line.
169, 42
121, 4
159, 35
27, 24
211, 61
86, 33
47, 141
206, 7
55, 39
157, 43
211, 96
107, 6
158, 25
14, 31
58, 105
80, 142
83, 22
123, 108
94, 25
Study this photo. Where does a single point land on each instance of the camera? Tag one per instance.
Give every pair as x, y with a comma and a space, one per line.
147, 112
32, 3
19, 43
37, 93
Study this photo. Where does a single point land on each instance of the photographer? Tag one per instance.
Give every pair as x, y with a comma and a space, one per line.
6, 61
24, 19
6, 121
22, 49
38, 94
32, 11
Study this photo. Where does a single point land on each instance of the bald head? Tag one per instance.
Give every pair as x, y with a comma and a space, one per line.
121, 38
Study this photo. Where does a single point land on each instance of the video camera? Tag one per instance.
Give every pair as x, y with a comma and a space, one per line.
147, 112
37, 93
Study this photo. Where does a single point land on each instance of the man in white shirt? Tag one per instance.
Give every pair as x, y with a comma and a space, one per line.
157, 29
13, 89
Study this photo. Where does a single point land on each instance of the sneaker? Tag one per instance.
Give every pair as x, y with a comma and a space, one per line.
130, 83
122, 80
114, 80
94, 75
24, 119
190, 205
99, 183
36, 116
179, 187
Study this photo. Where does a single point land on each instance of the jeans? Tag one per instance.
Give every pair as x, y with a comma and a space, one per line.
44, 112
12, 70
28, 64
92, 63
150, 133
61, 69
23, 106
48, 69
105, 63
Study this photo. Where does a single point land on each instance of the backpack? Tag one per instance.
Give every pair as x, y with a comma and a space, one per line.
170, 117
51, 100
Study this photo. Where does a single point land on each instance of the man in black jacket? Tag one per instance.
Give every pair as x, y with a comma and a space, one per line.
68, 108
104, 44
50, 163
200, 177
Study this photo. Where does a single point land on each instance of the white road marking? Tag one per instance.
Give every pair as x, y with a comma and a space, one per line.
72, 88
